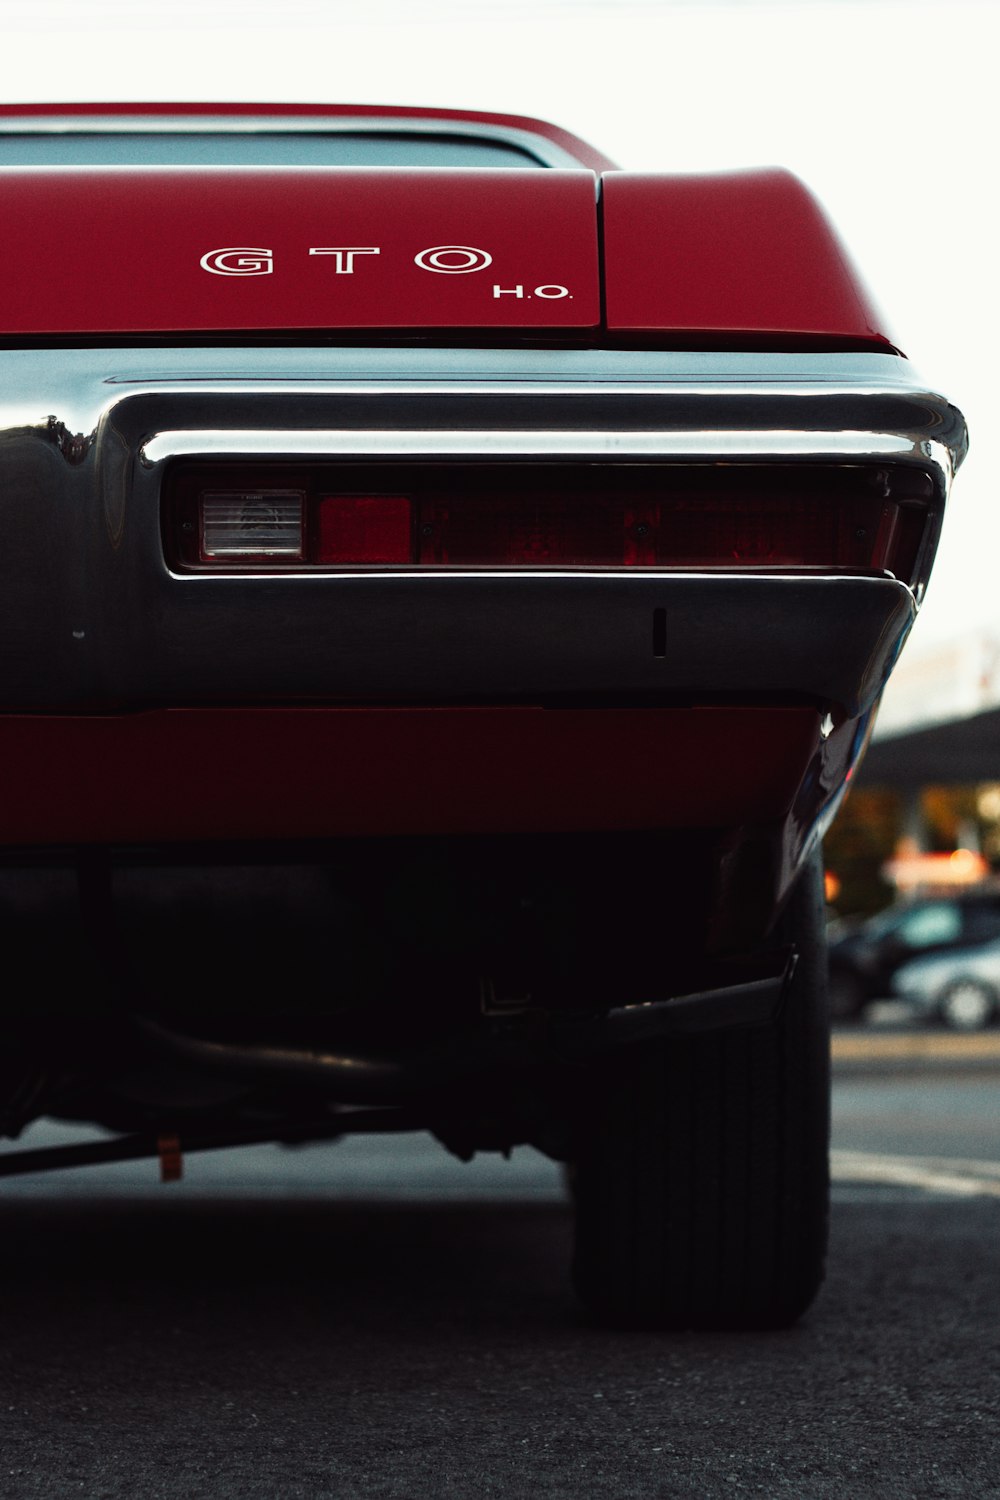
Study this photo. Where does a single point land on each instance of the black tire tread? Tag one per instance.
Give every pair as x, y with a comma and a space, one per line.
702, 1190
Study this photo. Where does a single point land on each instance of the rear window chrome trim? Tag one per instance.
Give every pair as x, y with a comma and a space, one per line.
544, 152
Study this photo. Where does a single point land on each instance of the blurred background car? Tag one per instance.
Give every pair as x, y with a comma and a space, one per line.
960, 988
866, 957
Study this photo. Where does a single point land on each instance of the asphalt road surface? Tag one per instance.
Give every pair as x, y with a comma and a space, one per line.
373, 1320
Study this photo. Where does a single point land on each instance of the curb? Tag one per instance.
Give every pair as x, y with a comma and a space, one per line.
914, 1050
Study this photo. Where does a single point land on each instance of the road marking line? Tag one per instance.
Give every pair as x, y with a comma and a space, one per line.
934, 1174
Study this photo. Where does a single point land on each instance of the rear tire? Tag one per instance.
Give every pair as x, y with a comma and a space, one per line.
702, 1189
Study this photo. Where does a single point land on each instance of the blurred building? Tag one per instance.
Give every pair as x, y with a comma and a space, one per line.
939, 723
924, 814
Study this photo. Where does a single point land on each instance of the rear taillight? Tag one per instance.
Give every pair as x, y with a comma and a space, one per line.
237, 525
220, 517
352, 530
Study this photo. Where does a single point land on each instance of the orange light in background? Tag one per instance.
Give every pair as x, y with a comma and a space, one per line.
968, 865
831, 886
912, 872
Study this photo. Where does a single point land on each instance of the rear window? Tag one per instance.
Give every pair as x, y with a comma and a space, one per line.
239, 148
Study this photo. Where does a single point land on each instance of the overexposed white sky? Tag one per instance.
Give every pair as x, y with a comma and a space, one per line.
889, 109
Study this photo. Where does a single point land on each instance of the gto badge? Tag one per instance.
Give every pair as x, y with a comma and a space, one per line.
252, 260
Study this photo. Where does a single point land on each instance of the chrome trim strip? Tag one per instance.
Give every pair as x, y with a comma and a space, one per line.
362, 576
249, 360
655, 386
75, 390
265, 365
503, 443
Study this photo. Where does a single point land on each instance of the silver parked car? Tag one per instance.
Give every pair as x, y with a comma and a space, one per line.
960, 987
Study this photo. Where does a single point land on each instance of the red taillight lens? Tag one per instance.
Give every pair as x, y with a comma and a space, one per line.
759, 532
515, 529
363, 529
628, 515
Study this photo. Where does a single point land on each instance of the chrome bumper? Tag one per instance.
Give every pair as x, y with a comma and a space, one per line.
92, 618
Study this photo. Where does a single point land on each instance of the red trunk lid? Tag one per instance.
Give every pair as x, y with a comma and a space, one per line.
163, 250
745, 259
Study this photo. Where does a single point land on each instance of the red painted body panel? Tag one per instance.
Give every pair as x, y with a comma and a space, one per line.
195, 774
117, 250
704, 259
581, 151
730, 253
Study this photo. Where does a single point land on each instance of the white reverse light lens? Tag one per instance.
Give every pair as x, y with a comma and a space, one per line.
258, 523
